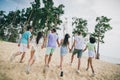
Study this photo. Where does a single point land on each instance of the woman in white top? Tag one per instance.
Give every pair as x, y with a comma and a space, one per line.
34, 49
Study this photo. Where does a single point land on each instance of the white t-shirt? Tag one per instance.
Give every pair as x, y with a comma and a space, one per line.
79, 42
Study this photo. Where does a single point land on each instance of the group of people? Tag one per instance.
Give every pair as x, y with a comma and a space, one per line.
51, 39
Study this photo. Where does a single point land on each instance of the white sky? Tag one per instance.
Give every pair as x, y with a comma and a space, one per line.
89, 10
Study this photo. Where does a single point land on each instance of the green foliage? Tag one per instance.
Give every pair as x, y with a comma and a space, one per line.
2, 22
51, 15
80, 26
13, 36
101, 27
9, 29
41, 18
46, 17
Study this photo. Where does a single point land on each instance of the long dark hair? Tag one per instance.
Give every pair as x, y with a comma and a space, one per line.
39, 36
65, 42
92, 40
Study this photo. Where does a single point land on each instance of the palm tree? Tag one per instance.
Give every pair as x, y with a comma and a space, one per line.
101, 27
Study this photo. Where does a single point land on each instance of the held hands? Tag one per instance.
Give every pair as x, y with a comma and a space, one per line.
28, 46
19, 45
83, 50
58, 45
70, 50
43, 46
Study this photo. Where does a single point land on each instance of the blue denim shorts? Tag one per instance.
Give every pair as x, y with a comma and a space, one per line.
63, 50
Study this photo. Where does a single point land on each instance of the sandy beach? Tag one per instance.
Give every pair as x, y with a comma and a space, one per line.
16, 71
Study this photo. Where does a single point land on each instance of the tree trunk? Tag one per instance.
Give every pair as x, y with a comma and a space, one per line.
98, 55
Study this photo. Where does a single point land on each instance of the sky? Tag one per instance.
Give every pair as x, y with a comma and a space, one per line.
86, 9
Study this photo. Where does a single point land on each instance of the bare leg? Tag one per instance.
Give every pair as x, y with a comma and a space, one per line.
14, 55
31, 58
50, 56
78, 63
29, 65
91, 65
72, 57
23, 55
32, 62
46, 59
61, 61
88, 64
17, 53
46, 64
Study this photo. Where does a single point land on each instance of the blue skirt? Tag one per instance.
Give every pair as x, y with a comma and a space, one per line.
63, 50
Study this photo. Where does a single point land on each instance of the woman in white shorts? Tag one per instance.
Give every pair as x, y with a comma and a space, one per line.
34, 50
91, 53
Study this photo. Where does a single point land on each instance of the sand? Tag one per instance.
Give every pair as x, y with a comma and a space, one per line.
16, 71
